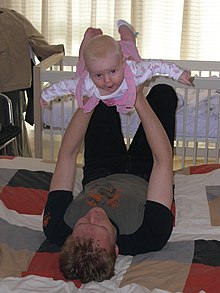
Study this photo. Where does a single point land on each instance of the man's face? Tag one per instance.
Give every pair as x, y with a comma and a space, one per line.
97, 225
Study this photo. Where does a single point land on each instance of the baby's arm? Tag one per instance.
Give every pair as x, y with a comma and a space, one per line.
148, 68
58, 89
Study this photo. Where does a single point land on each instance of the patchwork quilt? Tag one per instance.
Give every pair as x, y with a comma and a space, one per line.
189, 263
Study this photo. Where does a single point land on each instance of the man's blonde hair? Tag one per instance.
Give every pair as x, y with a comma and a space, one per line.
100, 46
81, 259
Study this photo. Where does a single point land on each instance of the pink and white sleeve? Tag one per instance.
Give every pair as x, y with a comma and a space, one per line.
59, 89
146, 69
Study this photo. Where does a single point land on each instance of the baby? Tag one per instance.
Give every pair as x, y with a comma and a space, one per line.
110, 71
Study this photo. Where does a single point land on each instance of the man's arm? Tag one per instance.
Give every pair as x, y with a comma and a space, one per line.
160, 187
64, 174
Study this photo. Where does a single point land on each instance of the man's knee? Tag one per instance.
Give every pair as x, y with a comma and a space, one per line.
162, 95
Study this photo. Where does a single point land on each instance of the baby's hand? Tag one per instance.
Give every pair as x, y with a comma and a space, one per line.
44, 103
186, 78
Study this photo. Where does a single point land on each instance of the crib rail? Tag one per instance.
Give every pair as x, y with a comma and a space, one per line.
189, 148
193, 148
48, 71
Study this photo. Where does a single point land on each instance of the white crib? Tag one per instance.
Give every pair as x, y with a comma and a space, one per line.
198, 120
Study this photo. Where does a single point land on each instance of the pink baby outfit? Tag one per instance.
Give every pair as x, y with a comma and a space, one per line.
125, 103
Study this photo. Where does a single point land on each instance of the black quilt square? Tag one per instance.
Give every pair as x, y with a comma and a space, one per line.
207, 252
31, 179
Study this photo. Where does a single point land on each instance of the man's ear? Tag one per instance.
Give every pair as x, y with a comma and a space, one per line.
116, 250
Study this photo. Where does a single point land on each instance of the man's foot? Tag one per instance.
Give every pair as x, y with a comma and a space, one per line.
122, 22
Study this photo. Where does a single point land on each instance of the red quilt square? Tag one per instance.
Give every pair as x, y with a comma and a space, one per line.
47, 265
203, 168
24, 200
202, 277
7, 157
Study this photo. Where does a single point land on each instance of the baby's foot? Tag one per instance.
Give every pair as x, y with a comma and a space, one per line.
122, 22
89, 33
97, 32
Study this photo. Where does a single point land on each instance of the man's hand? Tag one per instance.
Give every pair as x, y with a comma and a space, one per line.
139, 92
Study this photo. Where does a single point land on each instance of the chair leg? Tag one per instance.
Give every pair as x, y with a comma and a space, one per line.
4, 151
15, 147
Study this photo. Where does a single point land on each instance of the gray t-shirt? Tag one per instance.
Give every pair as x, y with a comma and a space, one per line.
122, 196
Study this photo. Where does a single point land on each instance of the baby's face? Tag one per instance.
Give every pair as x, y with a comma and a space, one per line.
107, 73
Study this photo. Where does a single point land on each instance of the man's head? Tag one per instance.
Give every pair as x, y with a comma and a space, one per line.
90, 252
105, 63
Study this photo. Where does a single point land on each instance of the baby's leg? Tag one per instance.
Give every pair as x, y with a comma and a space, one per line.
89, 33
126, 31
128, 42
